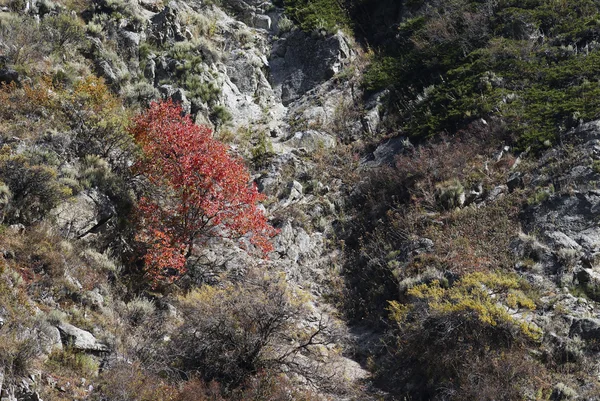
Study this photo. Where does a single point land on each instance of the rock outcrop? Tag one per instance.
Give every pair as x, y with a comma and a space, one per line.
79, 339
299, 62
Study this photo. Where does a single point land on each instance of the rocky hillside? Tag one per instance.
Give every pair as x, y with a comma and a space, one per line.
430, 169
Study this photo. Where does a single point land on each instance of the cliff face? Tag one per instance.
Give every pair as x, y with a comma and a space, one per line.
437, 223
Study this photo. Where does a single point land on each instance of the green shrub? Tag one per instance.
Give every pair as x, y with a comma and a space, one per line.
534, 64
141, 93
318, 14
64, 31
450, 195
20, 344
139, 309
207, 92
220, 115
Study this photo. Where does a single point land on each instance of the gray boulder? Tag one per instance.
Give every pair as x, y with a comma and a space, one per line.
311, 140
179, 97
386, 152
166, 90
80, 339
50, 339
261, 21
106, 71
129, 44
164, 69
296, 193
151, 5
515, 181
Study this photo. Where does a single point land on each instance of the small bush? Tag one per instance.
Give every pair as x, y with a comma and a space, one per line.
64, 31
99, 122
329, 15
35, 188
139, 309
207, 92
98, 261
142, 93
232, 332
450, 195
131, 382
462, 326
262, 152
285, 24
73, 361
220, 115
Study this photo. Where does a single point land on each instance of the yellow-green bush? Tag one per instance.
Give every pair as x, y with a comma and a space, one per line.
491, 298
445, 330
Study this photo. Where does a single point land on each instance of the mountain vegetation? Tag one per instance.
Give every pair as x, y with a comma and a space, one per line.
299, 200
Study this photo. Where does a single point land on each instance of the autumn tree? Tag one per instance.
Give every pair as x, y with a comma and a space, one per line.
197, 191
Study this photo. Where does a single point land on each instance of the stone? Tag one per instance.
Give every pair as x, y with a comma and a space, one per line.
29, 396
165, 26
50, 339
296, 191
130, 39
106, 71
80, 339
586, 328
87, 213
179, 97
8, 75
262, 21
164, 69
496, 193
151, 5
371, 121
129, 44
386, 152
166, 90
589, 280
568, 213
560, 240
311, 140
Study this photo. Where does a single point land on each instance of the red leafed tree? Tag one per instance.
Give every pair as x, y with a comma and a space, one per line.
197, 191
